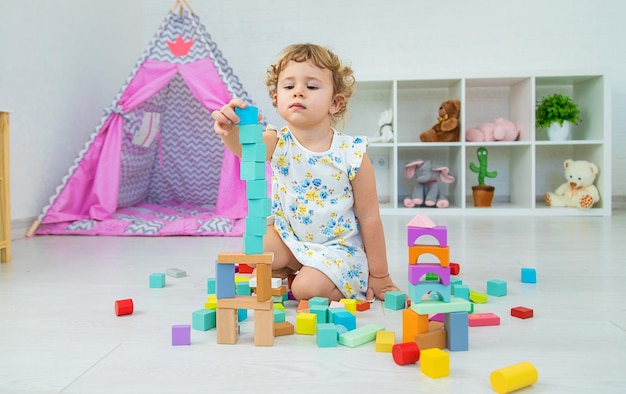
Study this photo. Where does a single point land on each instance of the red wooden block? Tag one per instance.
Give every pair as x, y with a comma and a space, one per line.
454, 268
483, 319
405, 353
245, 269
362, 306
124, 307
522, 312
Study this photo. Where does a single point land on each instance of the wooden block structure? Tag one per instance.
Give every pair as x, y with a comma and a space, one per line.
428, 296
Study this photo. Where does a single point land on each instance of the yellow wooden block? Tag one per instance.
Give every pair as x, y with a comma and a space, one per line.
249, 259
240, 279
279, 306
385, 341
435, 363
513, 377
211, 302
477, 297
306, 323
349, 304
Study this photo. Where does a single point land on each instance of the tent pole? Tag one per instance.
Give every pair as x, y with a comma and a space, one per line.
32, 229
188, 6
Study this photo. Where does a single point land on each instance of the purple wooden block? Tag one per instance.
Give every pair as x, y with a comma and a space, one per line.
416, 271
181, 335
440, 233
440, 317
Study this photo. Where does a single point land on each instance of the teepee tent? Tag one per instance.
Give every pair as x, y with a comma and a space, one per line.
154, 166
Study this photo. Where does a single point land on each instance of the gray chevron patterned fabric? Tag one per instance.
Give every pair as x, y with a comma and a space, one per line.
183, 162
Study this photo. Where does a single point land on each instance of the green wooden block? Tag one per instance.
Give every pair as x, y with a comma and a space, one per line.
428, 307
252, 244
256, 189
477, 297
361, 335
431, 276
175, 272
250, 134
251, 170
260, 207
256, 225
203, 319
254, 152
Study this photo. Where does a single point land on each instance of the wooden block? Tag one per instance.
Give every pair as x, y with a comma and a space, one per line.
522, 312
395, 300
252, 244
225, 280
175, 273
434, 338
264, 327
251, 170
263, 282
441, 252
124, 307
457, 333
157, 280
417, 271
245, 268
385, 341
477, 297
303, 306
349, 304
254, 152
250, 134
226, 324
454, 268
483, 319
496, 287
256, 189
421, 221
283, 328
248, 116
279, 291
417, 292
529, 275
435, 363
439, 233
326, 335
360, 336
245, 302
362, 306
429, 307
409, 324
306, 323
250, 259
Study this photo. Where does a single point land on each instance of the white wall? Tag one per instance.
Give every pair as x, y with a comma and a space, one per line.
62, 61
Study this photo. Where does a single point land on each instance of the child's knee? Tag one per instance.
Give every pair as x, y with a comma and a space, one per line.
307, 285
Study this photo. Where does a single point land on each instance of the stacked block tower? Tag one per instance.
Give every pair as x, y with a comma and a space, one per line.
430, 292
252, 171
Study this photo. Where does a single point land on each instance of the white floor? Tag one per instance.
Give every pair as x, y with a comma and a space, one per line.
59, 333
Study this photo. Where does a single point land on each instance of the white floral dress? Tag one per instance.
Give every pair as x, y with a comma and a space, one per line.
313, 207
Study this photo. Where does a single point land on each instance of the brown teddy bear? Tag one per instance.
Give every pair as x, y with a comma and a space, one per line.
447, 130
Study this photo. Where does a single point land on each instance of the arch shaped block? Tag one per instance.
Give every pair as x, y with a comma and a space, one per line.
416, 271
442, 253
440, 233
416, 292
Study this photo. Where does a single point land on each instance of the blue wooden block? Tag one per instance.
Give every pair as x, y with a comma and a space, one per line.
456, 324
416, 292
243, 288
395, 300
256, 189
529, 275
210, 286
256, 152
330, 312
225, 280
279, 316
251, 170
346, 319
252, 244
260, 207
250, 134
496, 287
203, 319
242, 314
321, 311
157, 280
461, 291
327, 335
256, 225
248, 115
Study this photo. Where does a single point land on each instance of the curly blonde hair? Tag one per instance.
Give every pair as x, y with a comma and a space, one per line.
343, 76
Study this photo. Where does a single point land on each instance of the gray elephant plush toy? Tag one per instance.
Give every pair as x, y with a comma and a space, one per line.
427, 191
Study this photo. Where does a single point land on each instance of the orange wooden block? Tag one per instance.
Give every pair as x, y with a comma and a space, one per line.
264, 327
303, 306
263, 282
226, 326
409, 325
283, 328
442, 253
362, 305
244, 302
434, 338
242, 258
279, 291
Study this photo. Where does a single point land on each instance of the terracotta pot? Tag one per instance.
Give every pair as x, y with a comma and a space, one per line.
483, 195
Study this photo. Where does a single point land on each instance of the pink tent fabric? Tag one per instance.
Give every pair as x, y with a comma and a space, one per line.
92, 192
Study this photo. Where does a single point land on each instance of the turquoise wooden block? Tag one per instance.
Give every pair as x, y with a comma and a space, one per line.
416, 292
203, 319
256, 225
395, 300
323, 301
251, 170
361, 335
248, 115
254, 152
496, 287
242, 314
321, 311
256, 189
279, 316
243, 288
326, 335
529, 275
260, 207
250, 134
346, 319
461, 291
252, 244
210, 286
157, 280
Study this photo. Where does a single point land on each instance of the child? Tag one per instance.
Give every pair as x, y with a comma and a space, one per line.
327, 222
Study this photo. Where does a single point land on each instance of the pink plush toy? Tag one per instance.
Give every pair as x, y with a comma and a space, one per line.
499, 130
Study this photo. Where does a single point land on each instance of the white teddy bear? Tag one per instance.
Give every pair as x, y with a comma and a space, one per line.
579, 190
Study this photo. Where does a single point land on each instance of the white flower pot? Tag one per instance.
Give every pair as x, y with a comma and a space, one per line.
556, 132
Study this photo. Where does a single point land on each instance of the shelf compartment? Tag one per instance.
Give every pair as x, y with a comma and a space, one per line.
370, 100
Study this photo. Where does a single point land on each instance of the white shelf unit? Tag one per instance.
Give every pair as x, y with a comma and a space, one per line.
527, 168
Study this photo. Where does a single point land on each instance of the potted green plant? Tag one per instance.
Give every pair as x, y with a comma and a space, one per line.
556, 113
482, 193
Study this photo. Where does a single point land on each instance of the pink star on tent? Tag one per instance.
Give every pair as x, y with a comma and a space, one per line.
180, 47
